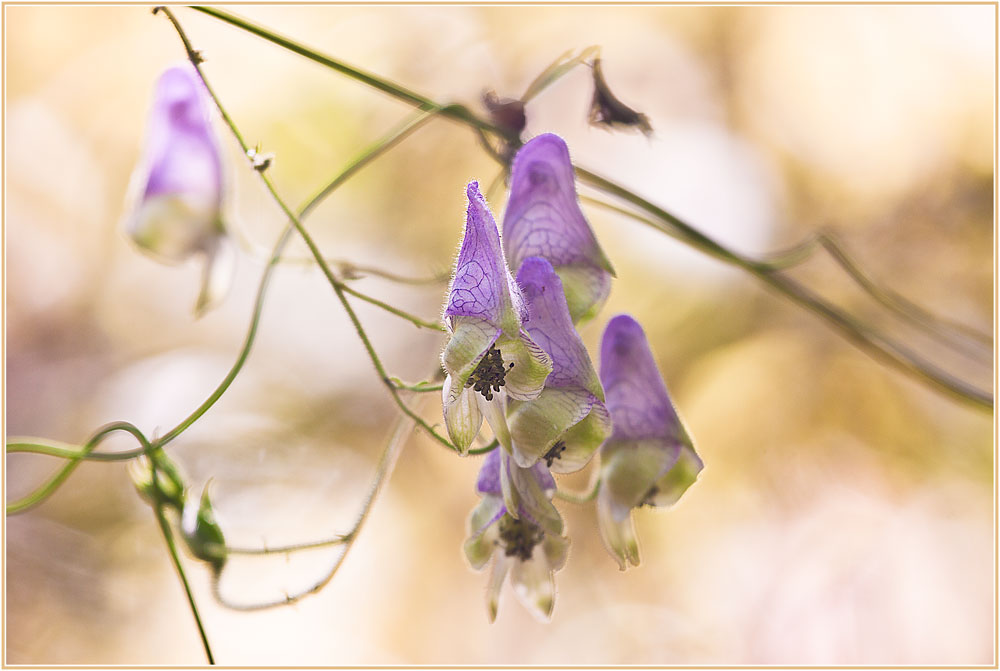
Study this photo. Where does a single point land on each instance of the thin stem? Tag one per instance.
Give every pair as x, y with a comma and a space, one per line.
286, 549
168, 536
387, 462
556, 70
416, 321
419, 387
48, 488
486, 448
336, 284
874, 344
453, 111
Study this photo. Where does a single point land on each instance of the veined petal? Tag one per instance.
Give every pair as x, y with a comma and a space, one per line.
615, 525
636, 395
482, 286
672, 485
551, 327
493, 411
583, 439
630, 470
471, 339
536, 425
497, 574
462, 414
527, 492
543, 217
534, 585
526, 378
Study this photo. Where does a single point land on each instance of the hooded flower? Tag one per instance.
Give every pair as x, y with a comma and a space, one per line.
530, 549
489, 356
568, 421
177, 187
543, 218
649, 458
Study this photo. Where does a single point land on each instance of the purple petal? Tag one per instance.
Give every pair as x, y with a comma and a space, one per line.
543, 217
549, 324
489, 475
636, 395
181, 151
481, 286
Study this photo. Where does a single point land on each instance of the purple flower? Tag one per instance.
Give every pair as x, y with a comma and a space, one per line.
489, 356
543, 218
649, 458
568, 421
177, 186
530, 548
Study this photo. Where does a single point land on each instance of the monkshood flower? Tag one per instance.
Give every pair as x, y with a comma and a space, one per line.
531, 550
489, 356
543, 218
649, 458
176, 189
568, 421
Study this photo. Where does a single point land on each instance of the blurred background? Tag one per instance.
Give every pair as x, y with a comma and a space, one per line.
845, 514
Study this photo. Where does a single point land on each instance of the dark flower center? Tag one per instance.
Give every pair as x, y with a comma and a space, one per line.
649, 498
519, 537
489, 375
555, 452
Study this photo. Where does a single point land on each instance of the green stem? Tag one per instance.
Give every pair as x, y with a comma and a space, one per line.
453, 111
336, 284
168, 536
876, 345
48, 488
416, 321
419, 387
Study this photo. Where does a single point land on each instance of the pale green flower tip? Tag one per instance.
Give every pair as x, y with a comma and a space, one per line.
679, 478
477, 552
217, 277
586, 290
462, 417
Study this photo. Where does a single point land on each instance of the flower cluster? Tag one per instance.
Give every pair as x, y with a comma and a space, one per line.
515, 357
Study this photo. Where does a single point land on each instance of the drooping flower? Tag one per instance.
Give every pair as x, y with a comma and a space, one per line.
489, 356
529, 548
543, 218
176, 189
568, 421
607, 110
649, 458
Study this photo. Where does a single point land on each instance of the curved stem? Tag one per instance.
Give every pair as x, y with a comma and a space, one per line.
419, 387
387, 462
335, 283
874, 344
416, 321
48, 488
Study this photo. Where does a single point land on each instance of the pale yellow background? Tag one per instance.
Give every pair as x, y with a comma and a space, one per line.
845, 512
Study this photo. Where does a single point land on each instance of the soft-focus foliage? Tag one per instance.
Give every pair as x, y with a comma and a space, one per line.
845, 515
